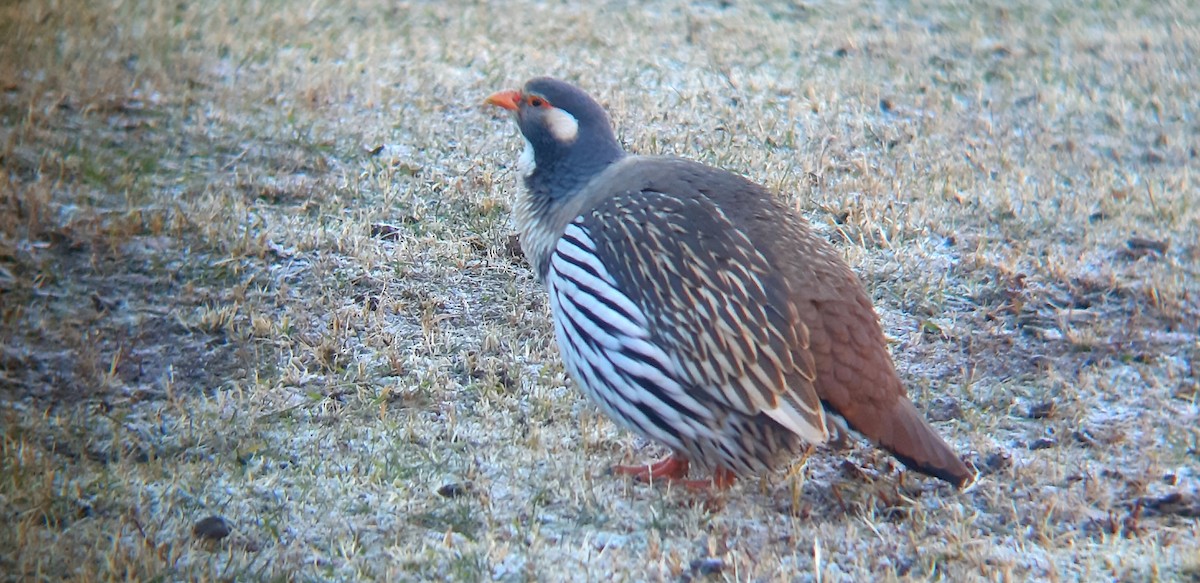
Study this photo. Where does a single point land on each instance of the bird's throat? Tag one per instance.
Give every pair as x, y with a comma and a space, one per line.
552, 197
526, 164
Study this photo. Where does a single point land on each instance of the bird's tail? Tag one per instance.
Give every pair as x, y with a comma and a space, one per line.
907, 435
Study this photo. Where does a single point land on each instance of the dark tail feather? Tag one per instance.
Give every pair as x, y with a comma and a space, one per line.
907, 435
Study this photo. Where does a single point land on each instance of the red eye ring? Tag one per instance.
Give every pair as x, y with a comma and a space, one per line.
536, 101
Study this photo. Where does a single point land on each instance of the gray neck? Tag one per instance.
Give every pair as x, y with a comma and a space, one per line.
552, 200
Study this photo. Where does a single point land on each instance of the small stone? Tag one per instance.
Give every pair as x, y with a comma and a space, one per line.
708, 566
997, 461
1042, 410
1142, 243
1099, 435
387, 231
1187, 390
1043, 443
1176, 503
454, 489
512, 246
211, 528
944, 409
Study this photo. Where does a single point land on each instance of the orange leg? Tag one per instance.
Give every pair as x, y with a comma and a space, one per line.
723, 479
674, 469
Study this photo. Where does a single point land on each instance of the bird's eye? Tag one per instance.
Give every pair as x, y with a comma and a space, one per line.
536, 101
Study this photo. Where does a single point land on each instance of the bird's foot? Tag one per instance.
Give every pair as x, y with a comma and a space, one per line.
674, 469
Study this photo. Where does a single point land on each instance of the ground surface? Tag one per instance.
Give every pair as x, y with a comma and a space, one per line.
255, 264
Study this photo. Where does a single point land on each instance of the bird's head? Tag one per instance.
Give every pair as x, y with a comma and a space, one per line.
568, 135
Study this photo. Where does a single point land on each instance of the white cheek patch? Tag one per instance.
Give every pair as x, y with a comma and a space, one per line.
562, 125
526, 164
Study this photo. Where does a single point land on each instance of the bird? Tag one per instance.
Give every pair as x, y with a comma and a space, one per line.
696, 309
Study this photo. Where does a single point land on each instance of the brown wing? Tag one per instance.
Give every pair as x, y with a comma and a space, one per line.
714, 304
856, 379
815, 309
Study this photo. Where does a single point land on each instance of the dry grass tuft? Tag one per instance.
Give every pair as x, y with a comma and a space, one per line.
261, 318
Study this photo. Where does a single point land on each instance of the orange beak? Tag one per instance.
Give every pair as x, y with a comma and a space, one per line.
506, 99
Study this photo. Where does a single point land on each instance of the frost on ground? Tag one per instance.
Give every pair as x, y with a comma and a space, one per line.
262, 317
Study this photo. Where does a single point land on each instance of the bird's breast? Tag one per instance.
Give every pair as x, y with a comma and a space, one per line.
538, 236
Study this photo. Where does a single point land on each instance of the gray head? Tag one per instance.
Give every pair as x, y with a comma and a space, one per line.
568, 132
